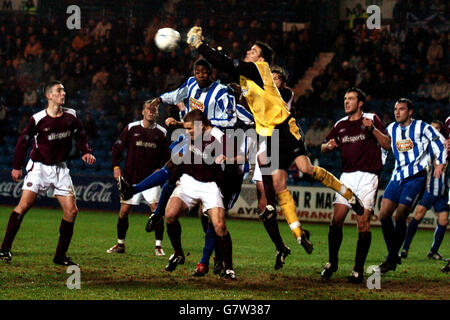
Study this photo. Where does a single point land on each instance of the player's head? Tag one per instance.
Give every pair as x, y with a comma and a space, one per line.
437, 124
354, 100
279, 75
202, 72
195, 123
149, 111
54, 92
259, 52
403, 111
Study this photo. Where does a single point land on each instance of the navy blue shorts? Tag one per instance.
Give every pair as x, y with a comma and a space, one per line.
440, 203
406, 192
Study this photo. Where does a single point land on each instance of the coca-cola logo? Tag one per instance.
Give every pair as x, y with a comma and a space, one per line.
8, 189
96, 191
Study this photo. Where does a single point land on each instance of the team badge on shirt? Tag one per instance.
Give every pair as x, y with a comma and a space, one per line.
196, 104
404, 145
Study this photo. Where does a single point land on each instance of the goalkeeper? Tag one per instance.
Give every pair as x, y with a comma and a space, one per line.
270, 112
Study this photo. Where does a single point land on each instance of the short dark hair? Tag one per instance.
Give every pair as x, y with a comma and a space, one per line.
203, 62
439, 122
361, 95
50, 85
279, 70
266, 50
406, 101
197, 115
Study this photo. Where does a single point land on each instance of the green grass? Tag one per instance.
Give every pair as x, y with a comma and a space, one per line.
138, 274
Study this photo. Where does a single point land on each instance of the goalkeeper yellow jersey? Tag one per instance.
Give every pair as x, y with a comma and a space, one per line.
267, 105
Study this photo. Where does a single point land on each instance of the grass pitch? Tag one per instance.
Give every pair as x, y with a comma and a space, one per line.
138, 274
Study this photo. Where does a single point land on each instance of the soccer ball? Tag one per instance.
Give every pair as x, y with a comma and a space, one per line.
166, 39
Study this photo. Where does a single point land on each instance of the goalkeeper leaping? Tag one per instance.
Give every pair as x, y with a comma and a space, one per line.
270, 113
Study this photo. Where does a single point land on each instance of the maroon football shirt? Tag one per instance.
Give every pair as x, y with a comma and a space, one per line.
147, 150
207, 170
359, 148
51, 138
446, 129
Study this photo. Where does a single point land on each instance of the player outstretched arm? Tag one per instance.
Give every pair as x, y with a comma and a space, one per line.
175, 96
235, 68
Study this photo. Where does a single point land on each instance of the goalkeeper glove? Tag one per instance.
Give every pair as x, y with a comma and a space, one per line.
194, 37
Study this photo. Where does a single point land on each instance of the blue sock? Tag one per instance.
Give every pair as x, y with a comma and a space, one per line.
387, 226
210, 243
155, 179
166, 192
412, 228
439, 233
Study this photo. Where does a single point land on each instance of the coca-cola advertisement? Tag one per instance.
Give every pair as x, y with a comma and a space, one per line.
93, 192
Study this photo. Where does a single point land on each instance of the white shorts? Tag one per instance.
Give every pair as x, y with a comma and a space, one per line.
363, 184
257, 175
192, 191
55, 180
146, 197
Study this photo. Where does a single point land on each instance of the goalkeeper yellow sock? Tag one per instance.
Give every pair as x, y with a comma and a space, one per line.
290, 213
330, 181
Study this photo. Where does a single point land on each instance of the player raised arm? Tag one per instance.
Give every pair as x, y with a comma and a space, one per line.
383, 139
235, 68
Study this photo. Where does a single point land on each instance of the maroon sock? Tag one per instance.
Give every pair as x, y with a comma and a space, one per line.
225, 247
159, 230
269, 191
65, 235
122, 227
15, 220
273, 231
174, 233
335, 236
362, 249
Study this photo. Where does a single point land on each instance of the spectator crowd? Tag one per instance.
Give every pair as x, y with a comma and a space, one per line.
111, 65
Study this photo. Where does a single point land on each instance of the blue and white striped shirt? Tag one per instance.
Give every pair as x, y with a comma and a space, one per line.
436, 187
244, 115
215, 101
410, 147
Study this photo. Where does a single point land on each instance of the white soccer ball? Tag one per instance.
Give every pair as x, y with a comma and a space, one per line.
167, 39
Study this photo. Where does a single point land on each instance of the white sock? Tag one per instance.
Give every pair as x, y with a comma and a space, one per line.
121, 241
158, 243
